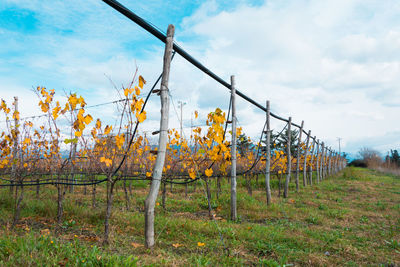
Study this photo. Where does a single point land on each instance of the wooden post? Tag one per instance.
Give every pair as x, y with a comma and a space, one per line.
310, 174
162, 143
337, 162
233, 152
268, 157
330, 162
289, 159
317, 162
322, 161
298, 156
305, 159
15, 149
72, 170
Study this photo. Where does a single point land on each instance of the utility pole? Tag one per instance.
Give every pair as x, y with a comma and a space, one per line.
338, 138
180, 105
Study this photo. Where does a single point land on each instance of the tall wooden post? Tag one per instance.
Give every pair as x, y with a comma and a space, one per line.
310, 172
325, 150
15, 148
334, 170
72, 170
233, 152
268, 157
321, 175
298, 156
317, 162
330, 162
289, 159
305, 159
162, 143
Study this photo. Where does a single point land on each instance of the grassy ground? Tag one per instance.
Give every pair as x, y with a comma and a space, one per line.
349, 220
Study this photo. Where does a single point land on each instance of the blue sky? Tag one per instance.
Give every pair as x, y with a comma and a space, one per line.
333, 64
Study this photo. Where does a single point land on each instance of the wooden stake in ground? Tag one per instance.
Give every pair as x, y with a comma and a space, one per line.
15, 148
268, 157
310, 172
305, 159
16, 178
298, 156
330, 162
162, 143
317, 162
289, 159
233, 152
322, 161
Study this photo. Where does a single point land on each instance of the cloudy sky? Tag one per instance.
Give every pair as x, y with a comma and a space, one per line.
334, 64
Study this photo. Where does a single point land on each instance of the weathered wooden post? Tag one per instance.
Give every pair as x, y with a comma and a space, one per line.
289, 159
233, 152
268, 157
305, 159
322, 161
15, 148
72, 169
337, 162
324, 168
330, 162
17, 153
311, 161
298, 156
162, 143
317, 162
334, 162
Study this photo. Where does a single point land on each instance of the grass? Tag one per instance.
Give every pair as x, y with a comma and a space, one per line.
349, 220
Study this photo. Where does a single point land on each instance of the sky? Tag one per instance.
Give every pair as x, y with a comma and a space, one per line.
334, 64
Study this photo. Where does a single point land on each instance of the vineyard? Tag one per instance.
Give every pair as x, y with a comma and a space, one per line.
81, 156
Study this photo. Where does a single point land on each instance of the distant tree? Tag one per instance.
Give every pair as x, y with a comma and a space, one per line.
394, 157
244, 145
282, 141
358, 163
371, 157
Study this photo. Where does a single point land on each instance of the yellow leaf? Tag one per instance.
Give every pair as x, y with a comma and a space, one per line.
141, 82
108, 162
73, 101
88, 119
141, 117
196, 114
126, 92
27, 141
119, 140
98, 124
136, 245
107, 130
200, 244
137, 90
192, 174
208, 172
148, 174
177, 245
78, 133
16, 115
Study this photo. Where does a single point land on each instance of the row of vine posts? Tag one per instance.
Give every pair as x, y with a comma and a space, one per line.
316, 156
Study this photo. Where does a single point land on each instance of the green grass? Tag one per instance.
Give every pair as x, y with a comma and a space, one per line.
349, 220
